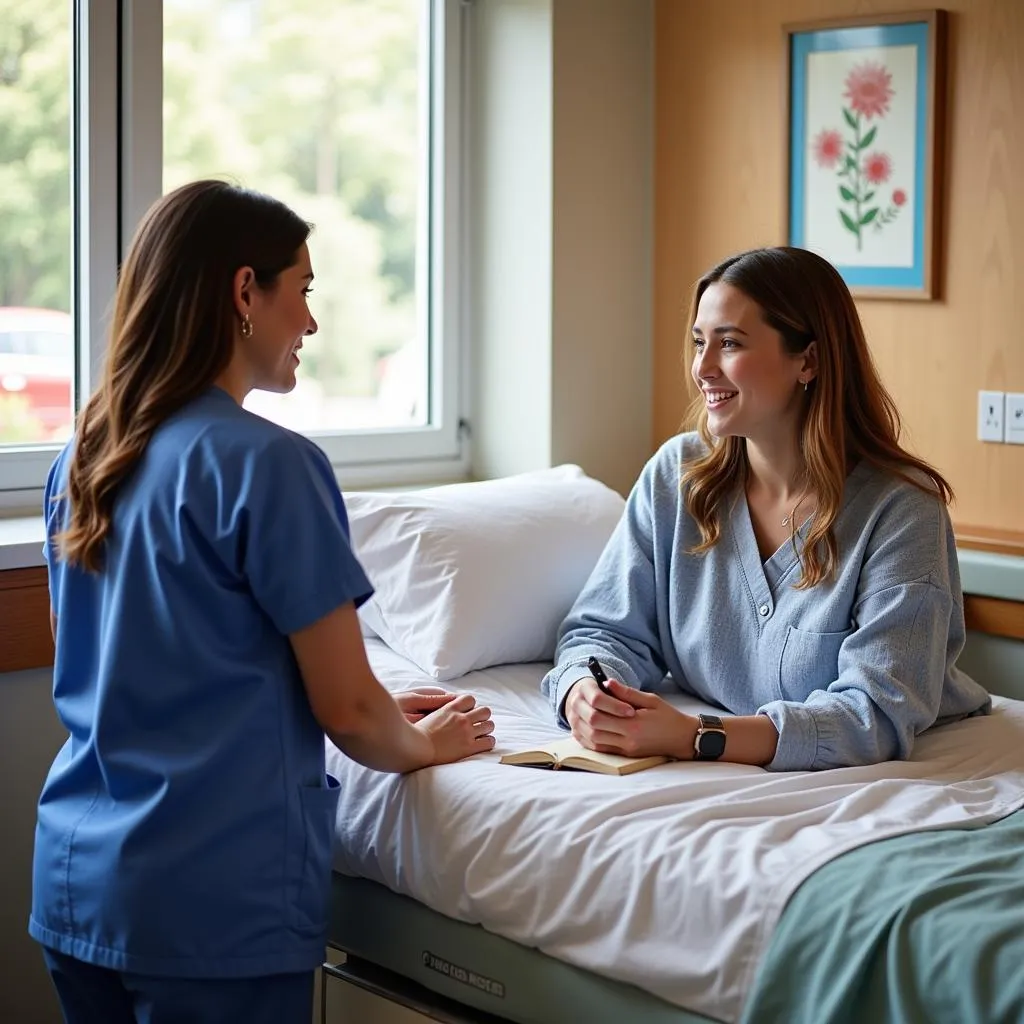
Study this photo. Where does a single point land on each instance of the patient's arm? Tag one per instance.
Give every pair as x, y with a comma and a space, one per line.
360, 716
615, 617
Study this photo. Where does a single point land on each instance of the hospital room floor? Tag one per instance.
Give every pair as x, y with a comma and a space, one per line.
348, 1004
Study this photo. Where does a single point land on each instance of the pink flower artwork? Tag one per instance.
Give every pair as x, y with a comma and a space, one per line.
869, 89
877, 168
828, 147
869, 93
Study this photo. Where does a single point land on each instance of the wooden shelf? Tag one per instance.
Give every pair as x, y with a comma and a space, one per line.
994, 616
25, 640
986, 538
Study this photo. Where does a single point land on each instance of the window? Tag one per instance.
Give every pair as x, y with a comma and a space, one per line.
348, 110
37, 344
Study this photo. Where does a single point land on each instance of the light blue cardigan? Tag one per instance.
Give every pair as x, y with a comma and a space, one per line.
849, 671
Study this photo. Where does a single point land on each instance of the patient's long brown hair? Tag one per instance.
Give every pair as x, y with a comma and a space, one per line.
173, 333
848, 415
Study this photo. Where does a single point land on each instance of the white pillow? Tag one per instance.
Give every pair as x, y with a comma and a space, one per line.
478, 574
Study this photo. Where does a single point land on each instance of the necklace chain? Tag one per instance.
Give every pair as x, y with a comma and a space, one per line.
787, 519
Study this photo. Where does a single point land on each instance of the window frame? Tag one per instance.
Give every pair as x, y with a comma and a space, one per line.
117, 172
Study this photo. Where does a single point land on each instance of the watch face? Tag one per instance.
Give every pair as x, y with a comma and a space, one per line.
711, 744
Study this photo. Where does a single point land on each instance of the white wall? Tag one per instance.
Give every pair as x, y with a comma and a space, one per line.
509, 239
561, 201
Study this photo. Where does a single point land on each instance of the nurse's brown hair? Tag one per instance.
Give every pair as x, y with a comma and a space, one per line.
173, 333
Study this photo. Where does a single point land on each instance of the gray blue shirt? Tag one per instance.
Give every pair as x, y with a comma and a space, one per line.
849, 671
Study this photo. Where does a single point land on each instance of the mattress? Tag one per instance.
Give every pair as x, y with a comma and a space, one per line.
671, 879
920, 927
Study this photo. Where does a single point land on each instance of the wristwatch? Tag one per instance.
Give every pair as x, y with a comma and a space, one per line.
710, 742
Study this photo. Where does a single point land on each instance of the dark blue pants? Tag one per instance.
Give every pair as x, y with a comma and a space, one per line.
97, 995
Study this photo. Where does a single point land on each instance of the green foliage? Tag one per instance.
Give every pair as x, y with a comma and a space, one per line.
314, 101
35, 184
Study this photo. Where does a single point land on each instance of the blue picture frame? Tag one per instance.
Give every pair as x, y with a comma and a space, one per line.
864, 102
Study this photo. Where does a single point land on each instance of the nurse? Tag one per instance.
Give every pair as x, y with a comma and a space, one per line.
203, 603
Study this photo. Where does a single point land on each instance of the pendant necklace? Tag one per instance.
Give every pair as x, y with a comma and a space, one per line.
786, 520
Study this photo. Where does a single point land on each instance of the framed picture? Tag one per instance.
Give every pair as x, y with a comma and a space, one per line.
865, 99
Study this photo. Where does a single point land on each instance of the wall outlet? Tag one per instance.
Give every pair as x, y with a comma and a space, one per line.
990, 415
1014, 419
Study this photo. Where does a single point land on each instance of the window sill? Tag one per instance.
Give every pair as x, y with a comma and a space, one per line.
21, 542
22, 536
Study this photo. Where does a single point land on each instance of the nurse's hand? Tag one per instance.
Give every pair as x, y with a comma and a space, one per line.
458, 729
417, 703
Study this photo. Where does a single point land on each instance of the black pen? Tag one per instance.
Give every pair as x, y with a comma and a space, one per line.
598, 673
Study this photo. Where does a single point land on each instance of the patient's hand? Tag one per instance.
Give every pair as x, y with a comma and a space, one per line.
627, 721
417, 703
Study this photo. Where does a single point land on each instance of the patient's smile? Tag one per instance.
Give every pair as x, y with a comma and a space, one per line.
716, 399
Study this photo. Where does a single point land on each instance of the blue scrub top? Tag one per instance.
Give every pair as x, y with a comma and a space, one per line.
185, 826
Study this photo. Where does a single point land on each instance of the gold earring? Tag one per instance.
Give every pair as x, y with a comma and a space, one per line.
246, 326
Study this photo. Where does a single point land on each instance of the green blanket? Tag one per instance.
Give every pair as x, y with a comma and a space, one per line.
921, 929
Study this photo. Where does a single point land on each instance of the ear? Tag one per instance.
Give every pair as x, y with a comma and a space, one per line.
809, 366
243, 286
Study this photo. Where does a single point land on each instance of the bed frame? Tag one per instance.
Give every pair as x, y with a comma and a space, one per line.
401, 950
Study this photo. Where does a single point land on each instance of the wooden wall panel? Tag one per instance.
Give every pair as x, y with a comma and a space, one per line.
719, 167
25, 640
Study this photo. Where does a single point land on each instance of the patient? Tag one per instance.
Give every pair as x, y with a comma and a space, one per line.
788, 561
203, 601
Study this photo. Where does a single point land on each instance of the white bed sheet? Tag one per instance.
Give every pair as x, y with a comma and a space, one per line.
671, 879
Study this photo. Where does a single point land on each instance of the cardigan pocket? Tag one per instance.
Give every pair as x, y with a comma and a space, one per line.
809, 662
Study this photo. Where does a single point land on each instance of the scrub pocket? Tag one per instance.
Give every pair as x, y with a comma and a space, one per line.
809, 662
309, 910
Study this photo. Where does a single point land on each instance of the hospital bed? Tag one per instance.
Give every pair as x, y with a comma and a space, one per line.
435, 898
682, 894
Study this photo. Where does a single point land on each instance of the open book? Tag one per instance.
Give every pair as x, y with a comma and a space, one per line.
570, 754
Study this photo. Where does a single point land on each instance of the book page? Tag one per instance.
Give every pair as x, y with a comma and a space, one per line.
561, 749
571, 754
